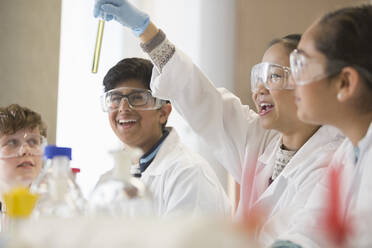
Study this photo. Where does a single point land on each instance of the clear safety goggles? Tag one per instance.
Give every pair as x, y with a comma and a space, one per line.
138, 99
306, 70
272, 76
22, 144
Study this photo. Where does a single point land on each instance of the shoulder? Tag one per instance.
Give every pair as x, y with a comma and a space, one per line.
175, 157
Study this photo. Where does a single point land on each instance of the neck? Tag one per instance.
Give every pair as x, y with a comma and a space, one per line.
151, 142
296, 137
355, 127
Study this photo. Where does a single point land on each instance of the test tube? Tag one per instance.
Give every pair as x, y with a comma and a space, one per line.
97, 50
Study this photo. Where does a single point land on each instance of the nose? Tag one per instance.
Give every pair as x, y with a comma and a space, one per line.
124, 105
25, 150
262, 90
291, 81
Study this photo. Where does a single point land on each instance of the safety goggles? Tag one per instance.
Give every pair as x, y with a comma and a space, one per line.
21, 144
306, 70
272, 76
138, 99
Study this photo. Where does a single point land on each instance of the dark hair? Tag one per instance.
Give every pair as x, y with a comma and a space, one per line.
289, 41
128, 69
345, 36
14, 118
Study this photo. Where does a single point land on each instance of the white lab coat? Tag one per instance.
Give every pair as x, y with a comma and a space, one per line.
356, 199
233, 132
182, 182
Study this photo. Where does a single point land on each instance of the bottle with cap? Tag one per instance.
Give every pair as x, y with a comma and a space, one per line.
121, 194
59, 195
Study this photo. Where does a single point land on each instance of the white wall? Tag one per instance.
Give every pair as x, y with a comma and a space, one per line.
205, 31
80, 122
29, 48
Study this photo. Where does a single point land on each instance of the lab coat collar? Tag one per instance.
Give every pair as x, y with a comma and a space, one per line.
325, 137
348, 159
268, 156
149, 156
364, 143
158, 166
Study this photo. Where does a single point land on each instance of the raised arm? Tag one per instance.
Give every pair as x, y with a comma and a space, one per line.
231, 129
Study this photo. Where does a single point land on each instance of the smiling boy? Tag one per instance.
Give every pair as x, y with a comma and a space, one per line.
181, 181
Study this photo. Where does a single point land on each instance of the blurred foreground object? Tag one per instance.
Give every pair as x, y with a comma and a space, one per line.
120, 194
59, 195
139, 233
19, 203
337, 226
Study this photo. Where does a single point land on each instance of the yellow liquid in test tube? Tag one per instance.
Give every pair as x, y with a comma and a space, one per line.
97, 50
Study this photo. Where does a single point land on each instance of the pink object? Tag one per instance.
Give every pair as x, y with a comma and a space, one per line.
337, 228
253, 216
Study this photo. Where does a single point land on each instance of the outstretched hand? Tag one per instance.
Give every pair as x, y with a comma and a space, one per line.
124, 13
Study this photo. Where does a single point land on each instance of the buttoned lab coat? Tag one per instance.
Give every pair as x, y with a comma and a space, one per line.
234, 134
356, 199
182, 182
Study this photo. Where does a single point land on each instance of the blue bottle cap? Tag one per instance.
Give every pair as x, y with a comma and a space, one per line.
52, 151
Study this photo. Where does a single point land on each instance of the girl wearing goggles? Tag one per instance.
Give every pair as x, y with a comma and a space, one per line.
333, 72
286, 155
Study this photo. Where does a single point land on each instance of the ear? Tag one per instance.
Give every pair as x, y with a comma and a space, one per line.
165, 111
349, 84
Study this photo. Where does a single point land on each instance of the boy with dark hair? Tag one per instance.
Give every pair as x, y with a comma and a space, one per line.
180, 180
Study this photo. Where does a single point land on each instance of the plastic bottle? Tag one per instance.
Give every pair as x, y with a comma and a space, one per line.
59, 195
120, 194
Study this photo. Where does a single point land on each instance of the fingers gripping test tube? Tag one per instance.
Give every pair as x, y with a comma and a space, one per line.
97, 50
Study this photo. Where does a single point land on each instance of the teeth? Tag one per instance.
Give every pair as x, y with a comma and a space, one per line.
265, 104
126, 121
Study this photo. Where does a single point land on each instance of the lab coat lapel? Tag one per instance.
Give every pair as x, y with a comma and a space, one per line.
364, 170
323, 136
165, 153
265, 170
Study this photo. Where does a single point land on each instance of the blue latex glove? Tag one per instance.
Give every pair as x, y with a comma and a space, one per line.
124, 13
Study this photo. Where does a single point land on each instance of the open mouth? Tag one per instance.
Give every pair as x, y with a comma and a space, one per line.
265, 108
126, 123
26, 164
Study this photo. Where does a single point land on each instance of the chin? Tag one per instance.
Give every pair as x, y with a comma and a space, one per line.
129, 142
304, 117
266, 124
